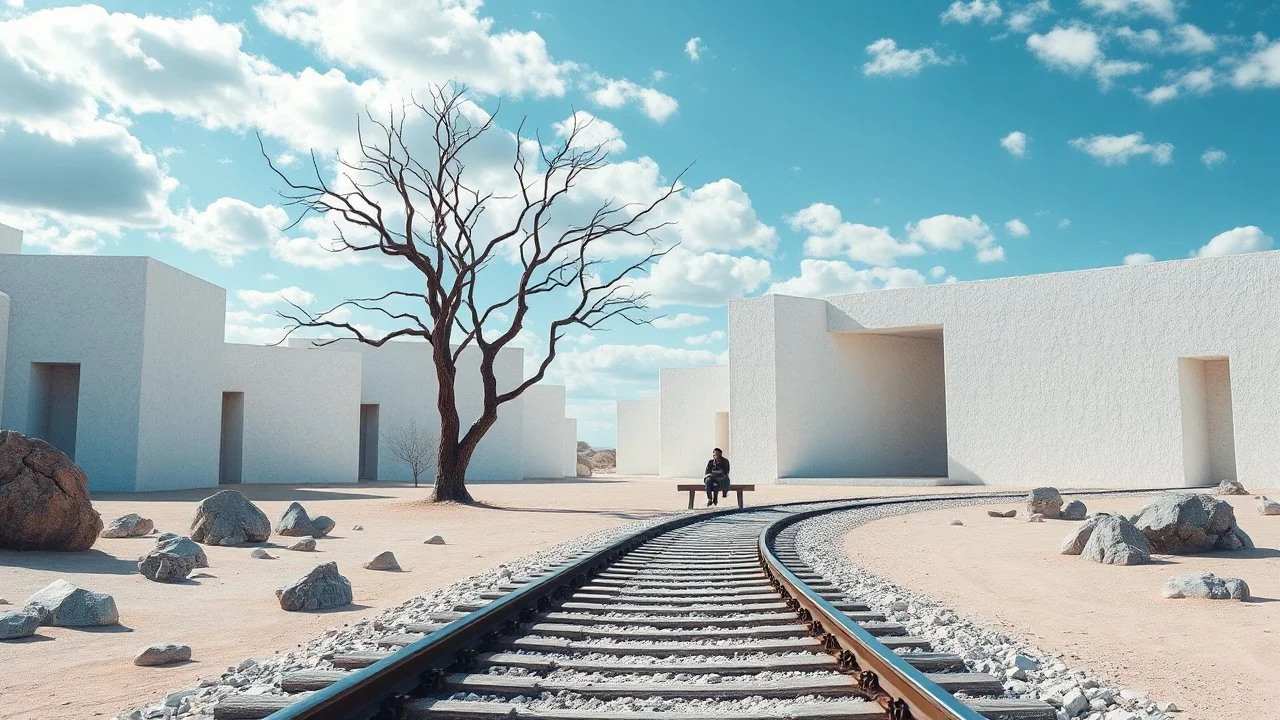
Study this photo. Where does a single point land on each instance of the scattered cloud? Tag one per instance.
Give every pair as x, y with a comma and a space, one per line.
615, 93
710, 338
1016, 143
1017, 228
887, 59
679, 320
1119, 149
822, 278
953, 232
609, 371
660, 75
591, 132
983, 11
258, 298
1213, 157
1139, 258
1197, 82
937, 271
1022, 19
1236, 241
682, 277
830, 236
286, 159
1064, 223
228, 228
1192, 40
693, 47
1159, 9
268, 277
1077, 48
1261, 68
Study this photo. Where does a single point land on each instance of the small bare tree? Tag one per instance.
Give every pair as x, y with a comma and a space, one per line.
413, 447
425, 212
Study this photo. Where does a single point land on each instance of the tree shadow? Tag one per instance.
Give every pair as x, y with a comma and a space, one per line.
635, 515
258, 493
28, 639
85, 561
102, 629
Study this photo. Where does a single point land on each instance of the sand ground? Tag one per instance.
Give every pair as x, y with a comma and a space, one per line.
1216, 659
228, 611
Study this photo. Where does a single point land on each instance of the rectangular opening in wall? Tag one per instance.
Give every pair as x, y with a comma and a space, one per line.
722, 432
54, 407
231, 448
1208, 430
368, 442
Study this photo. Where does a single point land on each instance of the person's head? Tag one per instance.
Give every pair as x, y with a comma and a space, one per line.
717, 454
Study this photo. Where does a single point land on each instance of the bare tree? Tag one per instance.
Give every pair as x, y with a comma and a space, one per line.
431, 222
412, 446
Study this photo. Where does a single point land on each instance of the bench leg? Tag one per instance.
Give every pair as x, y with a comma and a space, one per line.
739, 499
690, 499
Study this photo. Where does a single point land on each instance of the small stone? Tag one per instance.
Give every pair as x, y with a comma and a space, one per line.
163, 654
1002, 514
953, 522
1046, 501
383, 561
1035, 517
261, 554
1231, 487
1207, 586
358, 528
66, 605
433, 540
1074, 703
174, 699
1074, 510
1267, 506
306, 544
19, 623
1022, 662
1168, 707
131, 525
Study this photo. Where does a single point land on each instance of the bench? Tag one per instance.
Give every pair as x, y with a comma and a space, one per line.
700, 488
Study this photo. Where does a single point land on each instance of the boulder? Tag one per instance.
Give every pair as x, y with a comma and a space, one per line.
44, 498
584, 470
1231, 487
19, 623
1180, 524
383, 561
1116, 541
295, 522
1206, 585
260, 554
65, 605
167, 536
163, 654
1267, 506
1074, 510
1002, 513
1044, 500
229, 518
182, 545
131, 525
323, 525
172, 561
320, 589
433, 540
306, 544
1073, 544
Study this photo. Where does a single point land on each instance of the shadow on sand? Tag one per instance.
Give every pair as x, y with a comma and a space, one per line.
258, 493
641, 515
87, 561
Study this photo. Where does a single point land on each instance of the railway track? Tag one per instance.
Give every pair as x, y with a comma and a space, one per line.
710, 616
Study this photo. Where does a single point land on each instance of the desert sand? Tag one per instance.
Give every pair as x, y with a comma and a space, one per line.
228, 611
1216, 659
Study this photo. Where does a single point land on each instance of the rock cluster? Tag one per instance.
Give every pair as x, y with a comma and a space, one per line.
131, 525
1045, 501
62, 604
1206, 585
1231, 487
1108, 539
1185, 524
44, 497
296, 523
320, 589
229, 518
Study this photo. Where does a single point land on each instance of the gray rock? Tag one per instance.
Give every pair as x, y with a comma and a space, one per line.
172, 561
358, 528
1044, 500
1035, 517
44, 497
1267, 506
1075, 702
228, 518
1002, 514
1230, 486
306, 544
1206, 585
295, 522
383, 561
433, 540
162, 537
163, 654
1116, 541
320, 589
182, 545
19, 623
1181, 524
131, 525
1074, 510
65, 605
953, 522
323, 525
261, 554
1073, 544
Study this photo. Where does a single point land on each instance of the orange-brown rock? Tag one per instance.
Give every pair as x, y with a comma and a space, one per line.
44, 497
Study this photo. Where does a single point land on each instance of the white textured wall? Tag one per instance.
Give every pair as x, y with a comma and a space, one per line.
399, 377
10, 240
301, 413
1069, 379
1221, 445
181, 402
638, 436
690, 399
544, 430
754, 342
569, 441
88, 310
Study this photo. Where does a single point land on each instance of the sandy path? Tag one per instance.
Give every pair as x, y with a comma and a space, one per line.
229, 611
1216, 659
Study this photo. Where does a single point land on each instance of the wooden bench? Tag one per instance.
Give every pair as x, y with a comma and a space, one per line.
700, 488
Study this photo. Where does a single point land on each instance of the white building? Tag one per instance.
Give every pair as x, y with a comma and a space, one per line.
693, 418
120, 362
1145, 376
638, 436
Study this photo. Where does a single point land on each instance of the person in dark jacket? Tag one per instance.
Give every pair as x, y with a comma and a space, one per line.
717, 476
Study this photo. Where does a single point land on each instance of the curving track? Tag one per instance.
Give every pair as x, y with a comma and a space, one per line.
711, 615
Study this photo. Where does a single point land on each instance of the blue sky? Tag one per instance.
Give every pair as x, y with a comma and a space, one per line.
836, 147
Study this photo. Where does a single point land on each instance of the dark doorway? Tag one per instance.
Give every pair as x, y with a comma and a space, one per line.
368, 442
231, 451
54, 407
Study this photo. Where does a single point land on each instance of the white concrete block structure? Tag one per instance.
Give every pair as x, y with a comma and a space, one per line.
121, 363
638, 436
1146, 376
693, 418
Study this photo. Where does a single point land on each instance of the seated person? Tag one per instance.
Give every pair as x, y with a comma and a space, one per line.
717, 476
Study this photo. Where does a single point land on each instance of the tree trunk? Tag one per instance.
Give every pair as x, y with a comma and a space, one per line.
451, 473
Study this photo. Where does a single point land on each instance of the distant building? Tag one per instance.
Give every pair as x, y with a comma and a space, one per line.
121, 363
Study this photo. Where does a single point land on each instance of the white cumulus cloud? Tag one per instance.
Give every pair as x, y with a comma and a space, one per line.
693, 47
1236, 241
822, 278
1139, 258
1119, 149
887, 59
1017, 228
708, 279
679, 320
259, 298
983, 11
1213, 157
1015, 142
953, 232
591, 132
1077, 48
1160, 9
